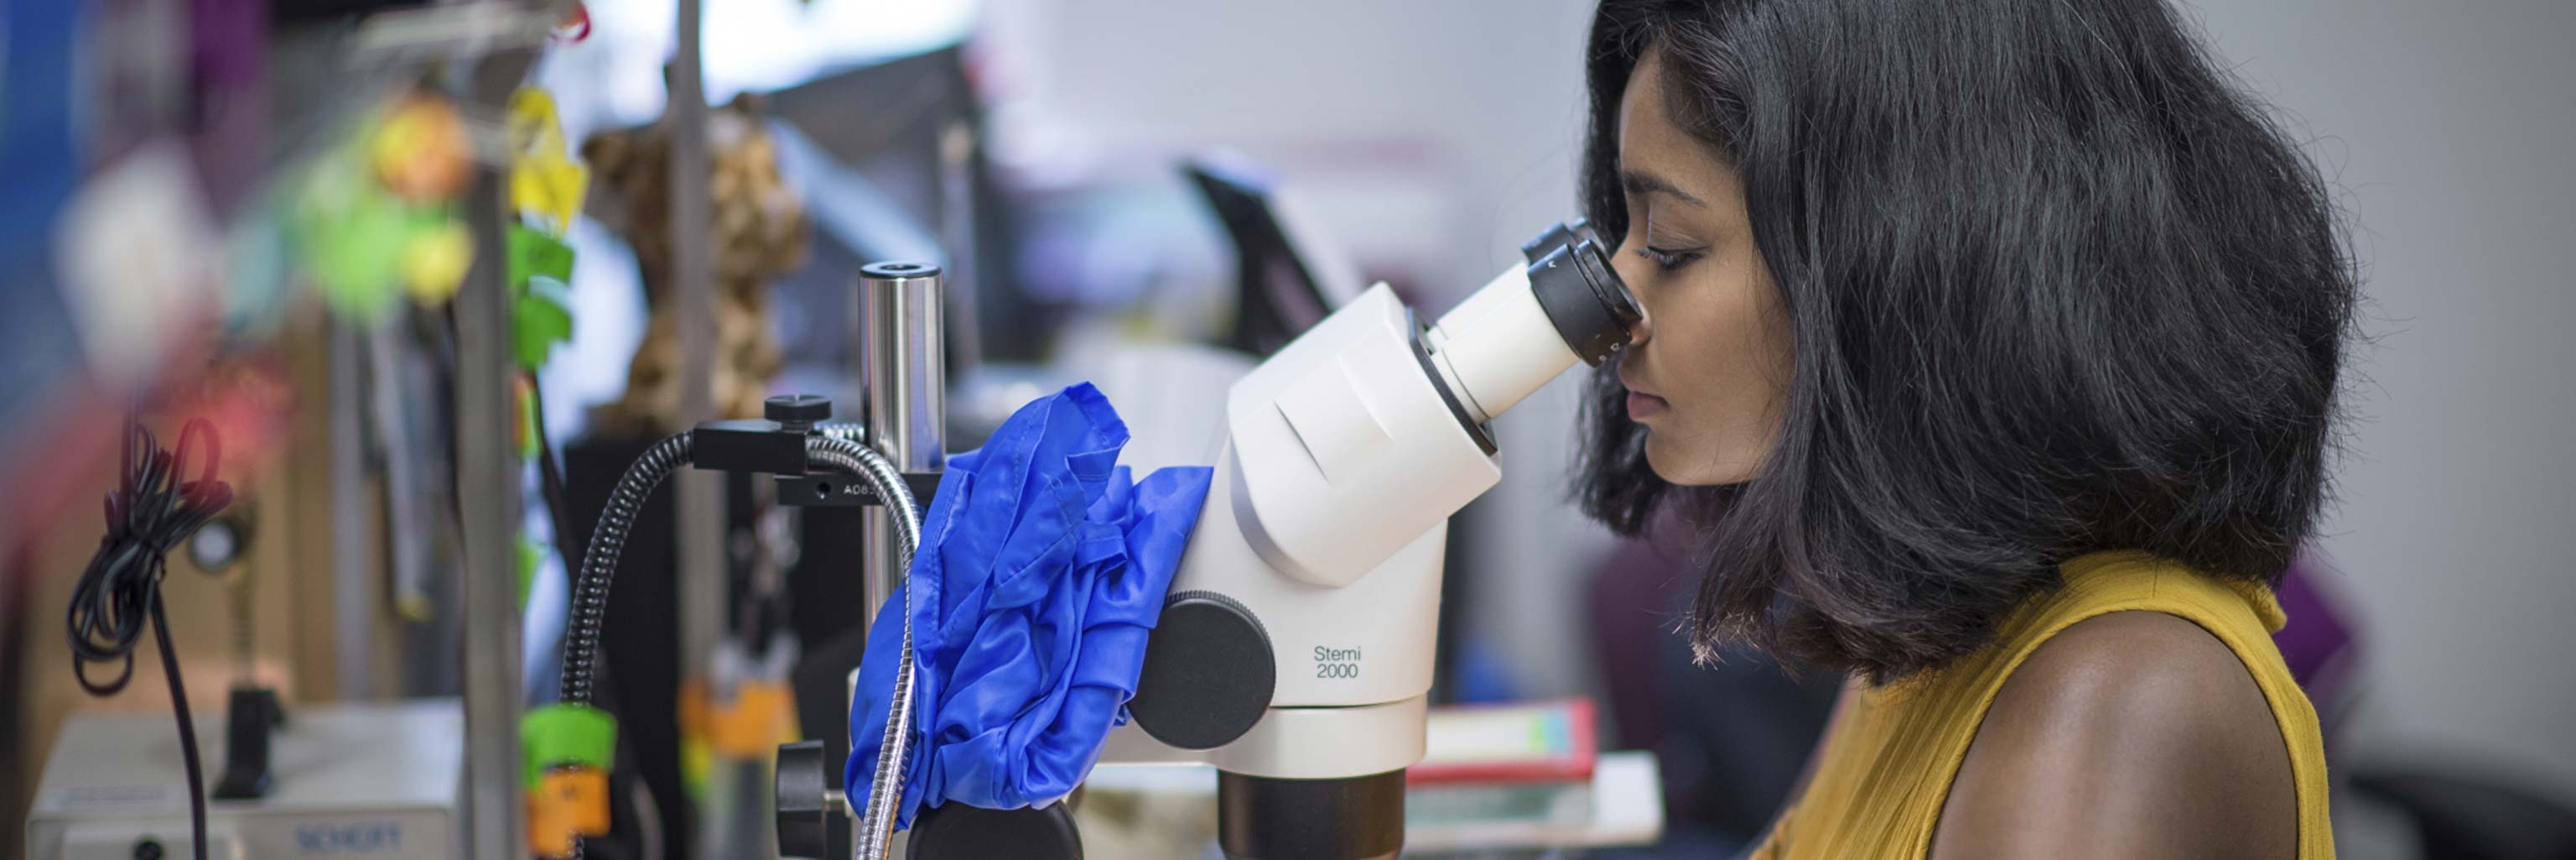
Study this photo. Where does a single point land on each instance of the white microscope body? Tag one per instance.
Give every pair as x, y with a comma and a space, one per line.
1297, 642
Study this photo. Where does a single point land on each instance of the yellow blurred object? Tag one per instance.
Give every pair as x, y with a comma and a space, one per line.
694, 710
544, 180
552, 190
415, 607
761, 715
533, 122
568, 802
523, 397
421, 152
434, 262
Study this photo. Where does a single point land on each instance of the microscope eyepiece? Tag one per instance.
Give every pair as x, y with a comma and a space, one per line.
1533, 321
1583, 296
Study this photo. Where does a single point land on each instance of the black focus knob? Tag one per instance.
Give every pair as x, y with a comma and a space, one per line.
806, 802
797, 412
1208, 673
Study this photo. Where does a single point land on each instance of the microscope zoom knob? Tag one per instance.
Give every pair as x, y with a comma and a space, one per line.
1209, 672
797, 410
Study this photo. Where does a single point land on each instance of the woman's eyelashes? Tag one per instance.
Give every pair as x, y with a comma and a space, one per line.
1669, 259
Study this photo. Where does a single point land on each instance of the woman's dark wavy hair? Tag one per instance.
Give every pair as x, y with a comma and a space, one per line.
2054, 286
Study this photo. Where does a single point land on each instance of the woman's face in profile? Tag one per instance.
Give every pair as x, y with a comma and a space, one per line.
1711, 365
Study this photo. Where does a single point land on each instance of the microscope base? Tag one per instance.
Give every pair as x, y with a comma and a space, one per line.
1356, 818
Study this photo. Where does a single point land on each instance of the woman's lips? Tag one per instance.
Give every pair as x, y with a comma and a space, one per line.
1643, 406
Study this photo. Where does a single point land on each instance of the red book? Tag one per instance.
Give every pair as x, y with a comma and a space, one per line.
1518, 742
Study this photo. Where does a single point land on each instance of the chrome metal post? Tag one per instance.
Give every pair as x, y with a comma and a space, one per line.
700, 495
488, 471
899, 308
355, 587
699, 500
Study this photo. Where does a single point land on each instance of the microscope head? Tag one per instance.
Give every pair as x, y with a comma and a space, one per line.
1370, 429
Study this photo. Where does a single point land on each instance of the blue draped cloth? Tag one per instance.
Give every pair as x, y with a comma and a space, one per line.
1041, 572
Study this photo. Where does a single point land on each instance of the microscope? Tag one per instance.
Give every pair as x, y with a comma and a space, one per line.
1294, 651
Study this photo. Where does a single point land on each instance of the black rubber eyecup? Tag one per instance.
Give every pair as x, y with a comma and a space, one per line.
1583, 296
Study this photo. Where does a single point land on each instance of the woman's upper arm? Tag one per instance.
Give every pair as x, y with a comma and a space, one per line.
2130, 735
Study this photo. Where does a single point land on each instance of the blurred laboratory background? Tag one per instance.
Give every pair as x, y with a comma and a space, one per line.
1094, 177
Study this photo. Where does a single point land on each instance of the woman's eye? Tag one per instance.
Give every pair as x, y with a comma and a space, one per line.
1669, 259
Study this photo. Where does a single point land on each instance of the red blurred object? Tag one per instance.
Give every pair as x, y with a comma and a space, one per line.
575, 27
1516, 742
251, 405
58, 466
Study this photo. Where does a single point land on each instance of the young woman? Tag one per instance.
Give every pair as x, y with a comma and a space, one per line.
1991, 356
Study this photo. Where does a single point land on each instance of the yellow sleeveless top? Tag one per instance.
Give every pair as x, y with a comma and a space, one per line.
1884, 774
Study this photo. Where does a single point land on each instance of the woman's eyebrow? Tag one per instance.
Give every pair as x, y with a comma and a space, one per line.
1641, 183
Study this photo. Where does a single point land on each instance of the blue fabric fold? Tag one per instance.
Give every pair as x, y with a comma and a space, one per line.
1041, 572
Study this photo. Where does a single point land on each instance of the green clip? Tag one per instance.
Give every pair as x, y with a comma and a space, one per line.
533, 254
539, 321
531, 557
561, 734
540, 277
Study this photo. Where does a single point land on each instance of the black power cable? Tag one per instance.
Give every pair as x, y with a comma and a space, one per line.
151, 511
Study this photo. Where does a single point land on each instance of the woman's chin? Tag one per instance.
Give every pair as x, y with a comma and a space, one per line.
1682, 466
1667, 463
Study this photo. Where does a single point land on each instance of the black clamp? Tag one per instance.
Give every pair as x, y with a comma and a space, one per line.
819, 491
774, 444
251, 716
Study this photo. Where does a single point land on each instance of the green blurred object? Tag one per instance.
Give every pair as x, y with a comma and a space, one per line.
353, 251
533, 254
540, 272
531, 557
561, 734
540, 321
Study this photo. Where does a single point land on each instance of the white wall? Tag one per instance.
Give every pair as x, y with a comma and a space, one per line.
1491, 89
2449, 130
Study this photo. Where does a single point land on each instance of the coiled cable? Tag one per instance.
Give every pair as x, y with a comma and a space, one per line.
608, 539
599, 565
150, 512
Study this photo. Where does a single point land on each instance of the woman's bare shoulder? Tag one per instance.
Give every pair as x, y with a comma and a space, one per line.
2131, 734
